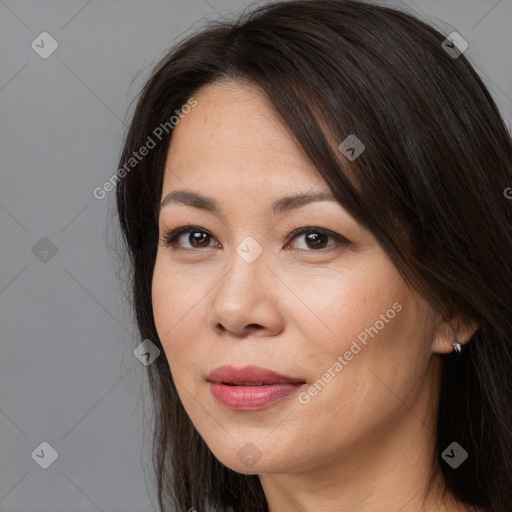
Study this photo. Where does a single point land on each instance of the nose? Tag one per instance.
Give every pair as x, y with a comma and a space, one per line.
246, 299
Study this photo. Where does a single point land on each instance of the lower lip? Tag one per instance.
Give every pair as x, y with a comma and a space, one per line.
250, 398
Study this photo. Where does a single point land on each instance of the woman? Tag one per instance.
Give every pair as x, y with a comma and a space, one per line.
321, 250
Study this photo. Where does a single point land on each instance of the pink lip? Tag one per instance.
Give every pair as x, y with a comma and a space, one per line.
244, 396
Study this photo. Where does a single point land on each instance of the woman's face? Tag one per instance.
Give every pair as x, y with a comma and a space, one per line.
335, 317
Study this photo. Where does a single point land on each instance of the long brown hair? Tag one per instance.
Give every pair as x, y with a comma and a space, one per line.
429, 185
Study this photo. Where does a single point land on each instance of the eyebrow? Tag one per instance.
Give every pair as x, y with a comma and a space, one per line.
280, 206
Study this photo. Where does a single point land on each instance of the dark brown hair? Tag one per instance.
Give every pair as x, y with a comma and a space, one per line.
429, 186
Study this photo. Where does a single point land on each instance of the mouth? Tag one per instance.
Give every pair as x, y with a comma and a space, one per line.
247, 384
249, 376
251, 387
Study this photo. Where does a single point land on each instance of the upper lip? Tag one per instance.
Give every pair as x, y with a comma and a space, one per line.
249, 375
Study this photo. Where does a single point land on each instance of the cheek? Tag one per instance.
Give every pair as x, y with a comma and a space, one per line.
336, 307
372, 345
163, 296
173, 308
358, 322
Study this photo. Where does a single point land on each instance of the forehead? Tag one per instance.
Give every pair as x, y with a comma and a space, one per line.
234, 133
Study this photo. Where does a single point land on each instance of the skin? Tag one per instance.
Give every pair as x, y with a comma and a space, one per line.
365, 441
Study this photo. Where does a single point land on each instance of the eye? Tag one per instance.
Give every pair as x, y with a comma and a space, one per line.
316, 239
197, 237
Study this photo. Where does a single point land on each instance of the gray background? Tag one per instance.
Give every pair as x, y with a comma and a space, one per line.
68, 375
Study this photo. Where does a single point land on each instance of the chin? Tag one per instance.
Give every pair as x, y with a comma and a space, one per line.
251, 468
247, 457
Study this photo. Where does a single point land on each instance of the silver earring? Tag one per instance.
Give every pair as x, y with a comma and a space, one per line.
457, 347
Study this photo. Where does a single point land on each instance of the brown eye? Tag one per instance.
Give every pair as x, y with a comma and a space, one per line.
317, 239
197, 238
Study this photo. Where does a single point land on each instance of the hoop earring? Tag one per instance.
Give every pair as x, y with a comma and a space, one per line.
457, 347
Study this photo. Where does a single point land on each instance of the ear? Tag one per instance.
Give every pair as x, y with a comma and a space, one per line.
453, 328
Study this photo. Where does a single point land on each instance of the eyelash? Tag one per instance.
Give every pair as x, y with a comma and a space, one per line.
170, 239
